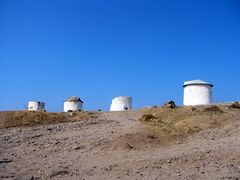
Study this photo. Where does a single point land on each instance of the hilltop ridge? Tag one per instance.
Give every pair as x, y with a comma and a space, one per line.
199, 142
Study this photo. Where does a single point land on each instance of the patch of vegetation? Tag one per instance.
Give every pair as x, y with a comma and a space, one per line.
212, 109
32, 118
181, 122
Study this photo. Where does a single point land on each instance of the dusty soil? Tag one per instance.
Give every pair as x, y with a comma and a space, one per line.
116, 145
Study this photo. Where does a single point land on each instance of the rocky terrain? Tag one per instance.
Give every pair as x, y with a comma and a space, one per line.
163, 144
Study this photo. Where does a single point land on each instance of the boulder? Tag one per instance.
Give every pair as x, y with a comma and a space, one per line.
170, 104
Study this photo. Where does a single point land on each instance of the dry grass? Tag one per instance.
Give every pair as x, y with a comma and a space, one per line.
174, 124
29, 118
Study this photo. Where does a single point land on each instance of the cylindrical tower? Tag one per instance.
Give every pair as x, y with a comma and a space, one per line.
73, 104
36, 106
121, 103
197, 92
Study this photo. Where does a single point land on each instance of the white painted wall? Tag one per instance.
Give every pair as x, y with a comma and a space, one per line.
121, 104
72, 106
197, 95
36, 106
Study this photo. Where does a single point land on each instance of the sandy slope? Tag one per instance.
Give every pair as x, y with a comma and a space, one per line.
98, 149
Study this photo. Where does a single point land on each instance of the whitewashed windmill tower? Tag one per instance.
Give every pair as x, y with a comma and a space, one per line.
122, 103
197, 92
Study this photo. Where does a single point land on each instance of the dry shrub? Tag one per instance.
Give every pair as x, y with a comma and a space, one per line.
32, 118
213, 108
29, 118
173, 124
147, 118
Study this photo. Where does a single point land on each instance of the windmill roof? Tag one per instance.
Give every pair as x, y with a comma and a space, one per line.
196, 82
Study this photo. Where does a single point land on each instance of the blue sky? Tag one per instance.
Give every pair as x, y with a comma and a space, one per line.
52, 49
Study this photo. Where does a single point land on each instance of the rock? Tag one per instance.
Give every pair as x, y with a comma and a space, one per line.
169, 104
126, 173
197, 167
34, 178
57, 142
208, 151
78, 147
49, 128
36, 136
5, 161
6, 176
178, 173
130, 146
110, 168
193, 108
90, 172
59, 173
234, 105
105, 169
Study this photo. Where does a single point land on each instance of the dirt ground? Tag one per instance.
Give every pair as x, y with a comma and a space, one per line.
115, 145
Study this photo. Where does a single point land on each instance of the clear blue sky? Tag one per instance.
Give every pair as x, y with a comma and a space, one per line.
99, 49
